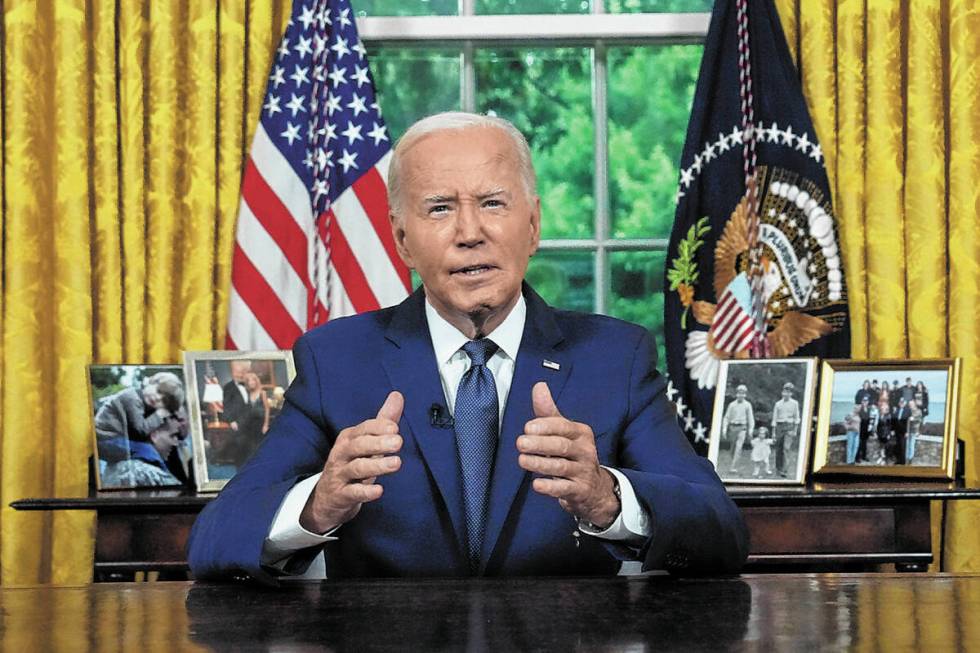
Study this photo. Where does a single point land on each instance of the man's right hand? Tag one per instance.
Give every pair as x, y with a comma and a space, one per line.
360, 454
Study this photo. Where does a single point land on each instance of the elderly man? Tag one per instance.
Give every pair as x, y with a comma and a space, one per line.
471, 430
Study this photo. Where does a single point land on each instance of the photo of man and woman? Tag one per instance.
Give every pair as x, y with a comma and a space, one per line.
235, 396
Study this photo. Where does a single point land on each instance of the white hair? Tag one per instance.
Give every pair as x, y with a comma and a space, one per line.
456, 120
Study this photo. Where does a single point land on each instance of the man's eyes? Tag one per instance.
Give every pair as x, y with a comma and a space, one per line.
443, 209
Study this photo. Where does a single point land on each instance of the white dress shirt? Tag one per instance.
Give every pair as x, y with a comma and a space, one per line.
632, 525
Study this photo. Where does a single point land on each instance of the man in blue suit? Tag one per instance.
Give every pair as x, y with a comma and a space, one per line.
472, 429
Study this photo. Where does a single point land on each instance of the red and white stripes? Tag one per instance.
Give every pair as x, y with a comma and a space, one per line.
283, 280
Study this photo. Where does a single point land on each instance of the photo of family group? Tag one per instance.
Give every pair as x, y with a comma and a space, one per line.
885, 416
761, 424
140, 426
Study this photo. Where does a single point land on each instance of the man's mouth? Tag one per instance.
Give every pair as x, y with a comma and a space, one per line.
473, 270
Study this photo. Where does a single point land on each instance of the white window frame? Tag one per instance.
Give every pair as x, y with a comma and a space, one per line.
597, 30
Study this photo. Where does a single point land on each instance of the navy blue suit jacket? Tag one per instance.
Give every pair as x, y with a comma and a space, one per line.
606, 379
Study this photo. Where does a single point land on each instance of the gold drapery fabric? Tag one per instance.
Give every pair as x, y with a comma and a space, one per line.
125, 127
894, 92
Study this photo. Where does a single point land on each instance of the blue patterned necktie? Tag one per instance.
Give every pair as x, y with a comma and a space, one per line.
476, 419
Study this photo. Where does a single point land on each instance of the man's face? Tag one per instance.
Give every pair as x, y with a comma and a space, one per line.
468, 227
238, 370
164, 439
740, 395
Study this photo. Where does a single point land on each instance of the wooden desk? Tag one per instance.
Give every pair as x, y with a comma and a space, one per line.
785, 612
843, 527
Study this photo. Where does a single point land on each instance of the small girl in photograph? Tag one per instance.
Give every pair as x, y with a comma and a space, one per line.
761, 449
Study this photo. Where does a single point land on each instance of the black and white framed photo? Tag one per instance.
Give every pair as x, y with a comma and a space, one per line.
140, 426
887, 418
233, 397
760, 427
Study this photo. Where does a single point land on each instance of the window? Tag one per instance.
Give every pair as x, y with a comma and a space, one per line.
602, 89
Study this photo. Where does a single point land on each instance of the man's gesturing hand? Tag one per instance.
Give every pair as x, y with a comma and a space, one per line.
360, 454
565, 451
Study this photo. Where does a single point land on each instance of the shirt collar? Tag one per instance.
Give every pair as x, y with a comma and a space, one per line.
447, 339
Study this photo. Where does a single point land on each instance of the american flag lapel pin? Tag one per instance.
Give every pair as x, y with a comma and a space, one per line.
551, 365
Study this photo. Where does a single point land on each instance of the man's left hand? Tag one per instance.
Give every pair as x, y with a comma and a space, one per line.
564, 452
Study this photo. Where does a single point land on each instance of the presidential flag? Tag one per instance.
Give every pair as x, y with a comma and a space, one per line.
754, 267
312, 239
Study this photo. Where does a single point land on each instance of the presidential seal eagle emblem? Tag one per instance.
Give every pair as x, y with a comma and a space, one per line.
801, 285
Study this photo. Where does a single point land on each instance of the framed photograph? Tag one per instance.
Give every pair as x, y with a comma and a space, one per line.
887, 418
140, 426
233, 397
760, 426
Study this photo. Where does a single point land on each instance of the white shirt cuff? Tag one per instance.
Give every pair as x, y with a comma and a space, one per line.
286, 536
632, 525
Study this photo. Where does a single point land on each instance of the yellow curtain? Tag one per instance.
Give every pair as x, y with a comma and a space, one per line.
894, 91
125, 127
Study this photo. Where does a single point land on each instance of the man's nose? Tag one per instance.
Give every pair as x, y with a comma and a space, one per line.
469, 227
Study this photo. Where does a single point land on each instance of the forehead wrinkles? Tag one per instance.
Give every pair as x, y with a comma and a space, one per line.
437, 169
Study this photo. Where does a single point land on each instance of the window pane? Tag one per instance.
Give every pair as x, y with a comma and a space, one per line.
533, 6
401, 8
547, 94
650, 94
413, 83
656, 6
637, 292
565, 279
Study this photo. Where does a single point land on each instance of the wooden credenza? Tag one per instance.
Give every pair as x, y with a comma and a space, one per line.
820, 527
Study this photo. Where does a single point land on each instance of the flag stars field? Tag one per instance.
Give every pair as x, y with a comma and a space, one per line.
312, 240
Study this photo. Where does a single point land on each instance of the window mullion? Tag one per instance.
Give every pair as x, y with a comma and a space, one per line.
467, 68
601, 174
467, 82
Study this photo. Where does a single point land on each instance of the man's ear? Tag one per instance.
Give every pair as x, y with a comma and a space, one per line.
398, 235
535, 225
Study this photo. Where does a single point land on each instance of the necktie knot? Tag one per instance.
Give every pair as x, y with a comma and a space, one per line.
480, 350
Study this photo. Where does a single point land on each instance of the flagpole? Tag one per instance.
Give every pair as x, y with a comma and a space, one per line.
757, 350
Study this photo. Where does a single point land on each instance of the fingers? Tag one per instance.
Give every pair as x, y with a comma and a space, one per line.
543, 403
361, 493
392, 408
547, 426
556, 467
547, 445
368, 468
553, 487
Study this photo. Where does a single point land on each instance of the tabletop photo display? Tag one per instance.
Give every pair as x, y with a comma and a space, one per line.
195, 426
888, 418
233, 397
760, 428
139, 426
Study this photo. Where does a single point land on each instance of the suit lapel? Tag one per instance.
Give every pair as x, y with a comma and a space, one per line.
538, 344
412, 370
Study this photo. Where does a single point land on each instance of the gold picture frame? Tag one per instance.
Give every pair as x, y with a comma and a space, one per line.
228, 421
899, 431
768, 450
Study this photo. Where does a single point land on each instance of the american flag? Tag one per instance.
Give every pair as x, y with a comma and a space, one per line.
313, 240
733, 328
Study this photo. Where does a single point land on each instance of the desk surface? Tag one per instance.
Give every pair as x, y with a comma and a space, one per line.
180, 500
753, 612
